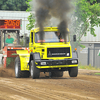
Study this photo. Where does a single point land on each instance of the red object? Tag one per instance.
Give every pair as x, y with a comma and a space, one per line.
10, 51
40, 41
61, 40
5, 62
10, 24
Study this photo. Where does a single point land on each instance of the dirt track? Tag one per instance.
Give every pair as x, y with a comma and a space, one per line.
85, 87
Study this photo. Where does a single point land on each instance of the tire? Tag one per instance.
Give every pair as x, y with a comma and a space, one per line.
57, 74
2, 61
18, 72
25, 74
35, 72
73, 71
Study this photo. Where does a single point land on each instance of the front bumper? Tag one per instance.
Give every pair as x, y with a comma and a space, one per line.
56, 63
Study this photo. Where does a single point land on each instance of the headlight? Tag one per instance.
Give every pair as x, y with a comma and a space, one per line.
43, 63
74, 61
67, 54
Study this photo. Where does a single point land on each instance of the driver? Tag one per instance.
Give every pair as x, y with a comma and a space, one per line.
58, 35
9, 40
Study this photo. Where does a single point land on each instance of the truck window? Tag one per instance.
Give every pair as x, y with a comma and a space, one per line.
32, 37
11, 37
49, 37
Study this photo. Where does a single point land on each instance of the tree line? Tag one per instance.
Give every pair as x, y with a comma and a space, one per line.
14, 5
23, 5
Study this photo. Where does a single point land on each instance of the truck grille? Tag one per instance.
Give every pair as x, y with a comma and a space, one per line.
58, 52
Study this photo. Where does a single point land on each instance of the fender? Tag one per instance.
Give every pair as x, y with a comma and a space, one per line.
24, 59
22, 52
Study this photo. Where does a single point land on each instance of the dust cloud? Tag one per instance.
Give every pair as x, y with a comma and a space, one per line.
7, 72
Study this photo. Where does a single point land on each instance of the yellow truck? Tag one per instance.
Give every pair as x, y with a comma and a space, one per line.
53, 55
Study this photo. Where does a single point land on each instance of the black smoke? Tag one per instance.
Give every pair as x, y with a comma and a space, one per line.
45, 9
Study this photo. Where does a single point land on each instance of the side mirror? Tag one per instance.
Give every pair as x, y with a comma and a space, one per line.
21, 37
74, 38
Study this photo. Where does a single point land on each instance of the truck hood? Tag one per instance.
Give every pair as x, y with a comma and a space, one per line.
53, 45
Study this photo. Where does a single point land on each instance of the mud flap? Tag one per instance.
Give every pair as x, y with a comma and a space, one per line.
24, 59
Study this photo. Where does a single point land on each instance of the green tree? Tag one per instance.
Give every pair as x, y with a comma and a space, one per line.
98, 1
31, 19
28, 4
93, 1
13, 5
86, 16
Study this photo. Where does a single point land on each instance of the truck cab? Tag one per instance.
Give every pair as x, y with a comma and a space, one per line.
53, 54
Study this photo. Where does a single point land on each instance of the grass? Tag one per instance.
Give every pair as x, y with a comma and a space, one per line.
89, 67
97, 73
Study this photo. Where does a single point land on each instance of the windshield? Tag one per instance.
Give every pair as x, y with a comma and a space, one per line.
11, 37
49, 37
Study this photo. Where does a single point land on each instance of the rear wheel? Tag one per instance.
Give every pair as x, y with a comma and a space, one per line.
57, 74
2, 61
18, 72
73, 71
35, 72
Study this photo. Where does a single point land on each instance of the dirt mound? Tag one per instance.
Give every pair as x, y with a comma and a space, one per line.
7, 72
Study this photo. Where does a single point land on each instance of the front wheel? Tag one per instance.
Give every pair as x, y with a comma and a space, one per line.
35, 72
17, 68
73, 71
18, 72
